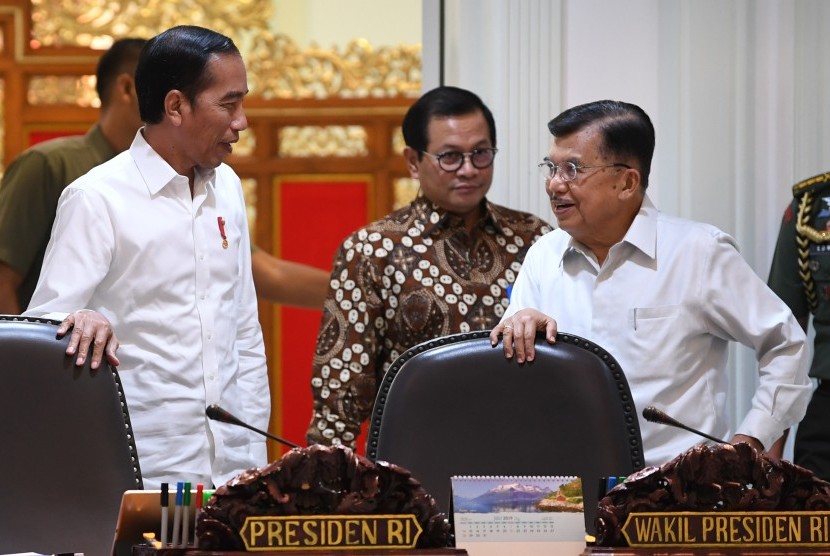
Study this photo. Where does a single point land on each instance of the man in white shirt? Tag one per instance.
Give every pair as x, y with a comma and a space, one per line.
663, 295
155, 242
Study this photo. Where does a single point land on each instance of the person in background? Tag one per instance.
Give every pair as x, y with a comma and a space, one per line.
287, 282
154, 244
663, 295
441, 265
800, 275
34, 181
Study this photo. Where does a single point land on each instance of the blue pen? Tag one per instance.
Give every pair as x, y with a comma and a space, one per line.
165, 501
177, 513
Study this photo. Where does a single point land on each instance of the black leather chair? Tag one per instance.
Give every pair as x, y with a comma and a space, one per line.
456, 406
68, 453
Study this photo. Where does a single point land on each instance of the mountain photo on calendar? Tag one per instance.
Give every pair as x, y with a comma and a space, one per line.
517, 494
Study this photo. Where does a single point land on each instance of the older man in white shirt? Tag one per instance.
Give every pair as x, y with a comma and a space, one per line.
664, 295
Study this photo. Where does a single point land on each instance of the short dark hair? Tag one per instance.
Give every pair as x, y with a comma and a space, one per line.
176, 59
626, 130
441, 102
121, 57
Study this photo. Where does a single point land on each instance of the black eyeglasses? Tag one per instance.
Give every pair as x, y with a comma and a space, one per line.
452, 161
568, 170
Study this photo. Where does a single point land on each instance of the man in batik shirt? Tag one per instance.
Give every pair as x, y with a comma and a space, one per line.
441, 265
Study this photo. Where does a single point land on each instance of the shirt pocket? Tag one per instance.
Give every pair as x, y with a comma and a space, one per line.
643, 318
653, 335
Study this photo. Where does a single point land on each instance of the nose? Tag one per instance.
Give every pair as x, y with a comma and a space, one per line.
240, 121
467, 167
556, 184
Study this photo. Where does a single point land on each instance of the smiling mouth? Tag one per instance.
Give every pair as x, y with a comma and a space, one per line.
561, 203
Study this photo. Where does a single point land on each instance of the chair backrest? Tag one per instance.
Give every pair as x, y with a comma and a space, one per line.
68, 453
456, 406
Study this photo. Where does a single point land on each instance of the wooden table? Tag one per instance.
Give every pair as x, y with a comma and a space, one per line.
139, 550
728, 551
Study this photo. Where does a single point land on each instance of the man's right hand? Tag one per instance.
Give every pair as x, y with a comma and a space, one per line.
519, 333
90, 327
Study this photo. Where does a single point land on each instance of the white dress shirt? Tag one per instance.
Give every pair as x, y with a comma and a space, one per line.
130, 242
665, 303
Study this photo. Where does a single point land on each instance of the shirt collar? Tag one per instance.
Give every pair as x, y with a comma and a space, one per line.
436, 218
156, 171
642, 234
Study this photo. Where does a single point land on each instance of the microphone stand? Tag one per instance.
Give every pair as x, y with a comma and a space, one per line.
654, 415
217, 413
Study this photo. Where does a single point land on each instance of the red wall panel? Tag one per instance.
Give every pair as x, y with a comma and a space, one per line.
315, 215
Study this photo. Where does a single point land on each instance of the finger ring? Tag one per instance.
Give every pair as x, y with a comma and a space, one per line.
508, 327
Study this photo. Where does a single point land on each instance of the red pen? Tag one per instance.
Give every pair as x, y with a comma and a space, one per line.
199, 493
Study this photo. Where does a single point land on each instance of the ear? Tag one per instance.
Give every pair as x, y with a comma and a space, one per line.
125, 87
631, 185
412, 158
175, 105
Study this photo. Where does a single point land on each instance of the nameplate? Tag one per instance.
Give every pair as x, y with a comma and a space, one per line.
727, 529
316, 532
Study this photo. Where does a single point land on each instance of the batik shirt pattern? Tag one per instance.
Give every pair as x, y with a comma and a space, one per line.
410, 277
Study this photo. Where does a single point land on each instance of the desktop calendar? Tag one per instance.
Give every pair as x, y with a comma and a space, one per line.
517, 508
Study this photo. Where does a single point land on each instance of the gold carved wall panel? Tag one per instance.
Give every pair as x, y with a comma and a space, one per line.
95, 23
61, 89
305, 141
277, 66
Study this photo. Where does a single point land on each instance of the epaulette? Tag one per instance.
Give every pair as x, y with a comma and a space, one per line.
806, 234
811, 184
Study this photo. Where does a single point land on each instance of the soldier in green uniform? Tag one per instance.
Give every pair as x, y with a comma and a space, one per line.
34, 181
800, 275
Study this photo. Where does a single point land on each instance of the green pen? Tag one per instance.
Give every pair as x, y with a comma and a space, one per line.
185, 517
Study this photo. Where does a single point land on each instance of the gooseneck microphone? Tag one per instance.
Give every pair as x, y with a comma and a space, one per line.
223, 415
654, 415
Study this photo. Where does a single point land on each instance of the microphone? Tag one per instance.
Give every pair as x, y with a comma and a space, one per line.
217, 413
654, 415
